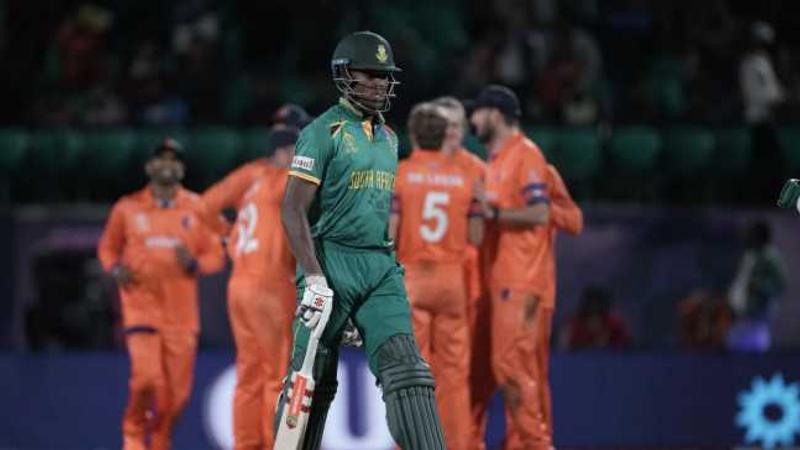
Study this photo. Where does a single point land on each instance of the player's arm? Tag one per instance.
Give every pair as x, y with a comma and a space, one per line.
394, 225
394, 216
476, 224
212, 218
210, 255
294, 216
529, 181
537, 213
111, 246
564, 212
225, 194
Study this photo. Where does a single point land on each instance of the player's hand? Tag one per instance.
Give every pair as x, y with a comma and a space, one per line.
789, 194
185, 259
122, 275
317, 303
351, 336
486, 209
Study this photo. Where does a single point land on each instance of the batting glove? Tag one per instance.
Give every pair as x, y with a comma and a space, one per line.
317, 302
351, 336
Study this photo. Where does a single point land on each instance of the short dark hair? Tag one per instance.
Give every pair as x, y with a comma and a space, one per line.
427, 123
502, 99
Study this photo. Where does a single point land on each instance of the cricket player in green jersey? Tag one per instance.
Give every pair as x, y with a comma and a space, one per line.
336, 216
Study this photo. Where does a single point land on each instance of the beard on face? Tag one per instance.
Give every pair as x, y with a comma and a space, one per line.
165, 175
485, 134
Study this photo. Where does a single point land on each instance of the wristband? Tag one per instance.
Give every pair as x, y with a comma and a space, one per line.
316, 280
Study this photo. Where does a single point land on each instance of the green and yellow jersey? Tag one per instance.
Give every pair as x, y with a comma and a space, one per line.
353, 160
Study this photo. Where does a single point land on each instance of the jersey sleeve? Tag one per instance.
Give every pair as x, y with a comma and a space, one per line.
531, 182
112, 241
312, 152
564, 212
210, 254
212, 217
228, 192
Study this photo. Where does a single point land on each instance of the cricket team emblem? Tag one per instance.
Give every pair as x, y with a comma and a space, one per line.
382, 55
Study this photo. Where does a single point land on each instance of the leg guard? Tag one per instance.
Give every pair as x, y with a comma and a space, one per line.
408, 392
325, 366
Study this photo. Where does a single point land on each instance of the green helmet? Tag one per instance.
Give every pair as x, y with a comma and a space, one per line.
366, 51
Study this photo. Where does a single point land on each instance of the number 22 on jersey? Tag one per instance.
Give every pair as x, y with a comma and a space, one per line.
434, 215
246, 223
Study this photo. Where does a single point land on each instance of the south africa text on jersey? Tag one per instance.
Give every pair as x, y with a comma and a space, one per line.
372, 179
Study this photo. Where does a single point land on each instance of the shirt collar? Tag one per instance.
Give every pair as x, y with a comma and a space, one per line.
510, 142
162, 204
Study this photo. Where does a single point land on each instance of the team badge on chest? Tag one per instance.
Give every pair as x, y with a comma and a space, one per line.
141, 222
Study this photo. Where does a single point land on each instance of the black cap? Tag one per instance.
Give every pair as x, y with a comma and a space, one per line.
500, 97
291, 115
171, 145
280, 137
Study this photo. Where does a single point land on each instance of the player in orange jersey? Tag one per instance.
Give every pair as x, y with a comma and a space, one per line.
155, 244
566, 216
434, 218
261, 297
481, 379
518, 203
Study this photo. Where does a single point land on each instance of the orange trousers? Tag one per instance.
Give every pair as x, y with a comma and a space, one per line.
439, 312
162, 365
520, 352
261, 318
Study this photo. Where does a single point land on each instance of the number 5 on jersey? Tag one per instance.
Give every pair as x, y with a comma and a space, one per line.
434, 213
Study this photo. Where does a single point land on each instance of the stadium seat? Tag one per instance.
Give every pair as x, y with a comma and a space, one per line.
472, 144
109, 152
254, 143
545, 137
733, 151
789, 138
57, 150
14, 143
635, 149
212, 152
688, 149
577, 155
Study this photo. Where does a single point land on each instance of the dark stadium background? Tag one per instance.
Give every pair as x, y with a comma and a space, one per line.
638, 103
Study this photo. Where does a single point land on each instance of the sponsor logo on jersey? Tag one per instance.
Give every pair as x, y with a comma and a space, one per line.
303, 162
349, 143
371, 179
161, 242
435, 179
141, 221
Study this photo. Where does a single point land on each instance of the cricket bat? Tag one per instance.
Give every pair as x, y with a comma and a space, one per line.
294, 418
